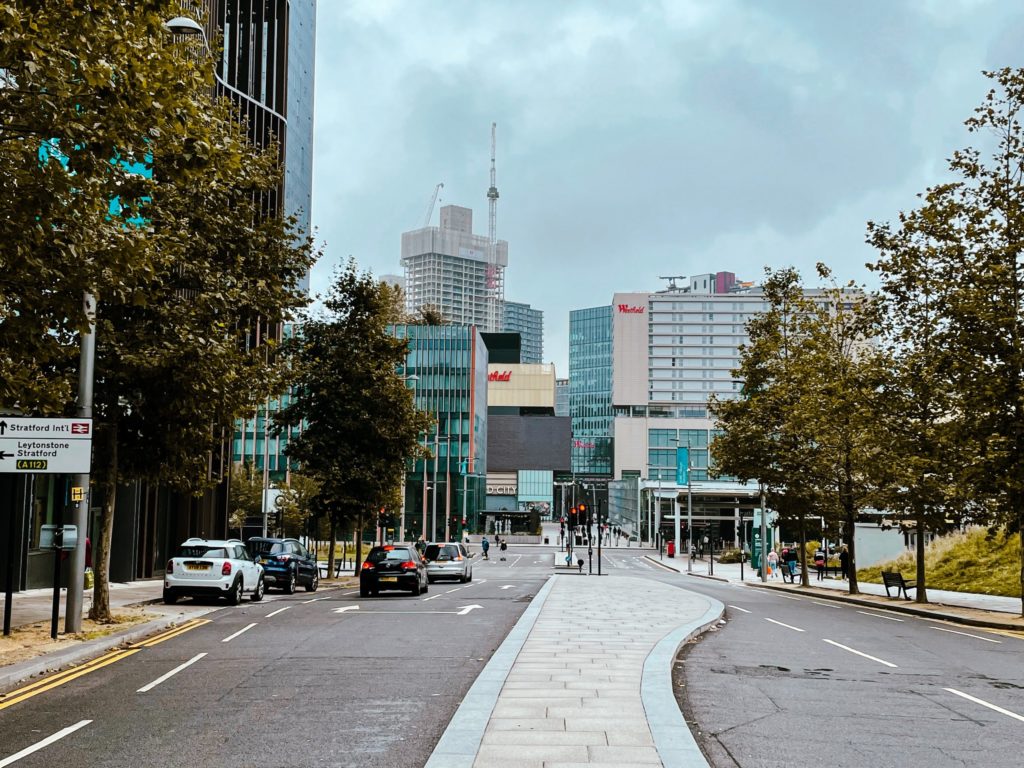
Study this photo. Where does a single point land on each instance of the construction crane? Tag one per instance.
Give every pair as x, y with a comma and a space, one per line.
433, 202
493, 279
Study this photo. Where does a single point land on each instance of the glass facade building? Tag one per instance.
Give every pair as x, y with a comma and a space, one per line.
445, 494
298, 164
590, 390
529, 324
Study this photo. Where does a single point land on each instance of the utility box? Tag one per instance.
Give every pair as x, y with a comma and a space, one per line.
58, 537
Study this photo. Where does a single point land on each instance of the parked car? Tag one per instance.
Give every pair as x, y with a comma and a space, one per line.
216, 568
286, 563
449, 561
393, 567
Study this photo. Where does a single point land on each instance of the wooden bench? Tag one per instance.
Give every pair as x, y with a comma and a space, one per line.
895, 579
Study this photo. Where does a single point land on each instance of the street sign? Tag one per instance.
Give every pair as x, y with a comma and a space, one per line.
45, 446
78, 493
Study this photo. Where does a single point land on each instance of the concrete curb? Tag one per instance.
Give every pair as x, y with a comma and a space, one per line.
673, 739
51, 662
460, 741
684, 573
910, 609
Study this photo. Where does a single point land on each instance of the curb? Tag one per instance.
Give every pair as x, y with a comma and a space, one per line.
911, 609
460, 742
673, 738
685, 573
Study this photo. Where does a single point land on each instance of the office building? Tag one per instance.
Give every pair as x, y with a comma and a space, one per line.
590, 392
444, 496
561, 397
452, 270
529, 324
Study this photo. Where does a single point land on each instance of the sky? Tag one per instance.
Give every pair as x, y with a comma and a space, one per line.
642, 138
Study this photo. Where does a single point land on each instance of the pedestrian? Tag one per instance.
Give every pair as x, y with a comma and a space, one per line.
485, 545
421, 545
504, 547
773, 564
790, 560
819, 563
844, 562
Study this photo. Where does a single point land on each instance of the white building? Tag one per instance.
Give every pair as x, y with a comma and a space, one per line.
449, 268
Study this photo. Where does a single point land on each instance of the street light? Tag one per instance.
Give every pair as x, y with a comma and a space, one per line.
413, 378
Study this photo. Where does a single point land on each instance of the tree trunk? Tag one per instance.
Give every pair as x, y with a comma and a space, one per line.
851, 549
359, 542
100, 609
330, 551
921, 593
1021, 534
805, 577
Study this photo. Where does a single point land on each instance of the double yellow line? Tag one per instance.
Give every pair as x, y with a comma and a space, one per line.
41, 686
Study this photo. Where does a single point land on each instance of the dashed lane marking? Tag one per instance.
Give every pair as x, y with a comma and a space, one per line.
879, 616
976, 700
967, 634
860, 653
737, 608
787, 626
44, 743
150, 686
229, 638
279, 610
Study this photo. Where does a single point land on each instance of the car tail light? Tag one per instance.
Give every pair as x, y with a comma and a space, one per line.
170, 566
408, 565
225, 570
367, 566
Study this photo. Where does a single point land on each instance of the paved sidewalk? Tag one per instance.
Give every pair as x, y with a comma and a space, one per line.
963, 607
584, 678
32, 605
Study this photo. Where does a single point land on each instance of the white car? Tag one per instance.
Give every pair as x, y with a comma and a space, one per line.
213, 568
449, 561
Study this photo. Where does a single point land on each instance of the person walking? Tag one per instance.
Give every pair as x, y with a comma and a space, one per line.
773, 564
790, 561
503, 547
819, 563
844, 562
485, 545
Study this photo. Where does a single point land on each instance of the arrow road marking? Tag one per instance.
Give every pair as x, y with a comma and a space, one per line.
346, 608
467, 609
44, 743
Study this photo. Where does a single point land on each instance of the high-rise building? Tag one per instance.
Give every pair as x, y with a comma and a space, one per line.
590, 391
561, 397
529, 324
448, 268
298, 161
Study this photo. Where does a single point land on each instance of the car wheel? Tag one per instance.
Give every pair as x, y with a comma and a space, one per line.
289, 587
257, 594
169, 597
463, 579
313, 583
235, 595
416, 588
470, 577
364, 591
429, 580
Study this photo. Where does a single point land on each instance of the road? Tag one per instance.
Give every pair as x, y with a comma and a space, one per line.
310, 679
800, 681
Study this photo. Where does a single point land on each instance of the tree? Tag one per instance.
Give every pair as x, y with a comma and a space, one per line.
359, 420
296, 504
968, 232
246, 495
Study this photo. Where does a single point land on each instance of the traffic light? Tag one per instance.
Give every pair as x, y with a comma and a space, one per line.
584, 515
572, 517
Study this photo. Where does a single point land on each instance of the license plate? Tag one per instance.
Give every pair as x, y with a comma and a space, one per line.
388, 578
196, 567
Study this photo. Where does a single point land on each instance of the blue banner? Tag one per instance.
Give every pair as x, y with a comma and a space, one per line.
682, 465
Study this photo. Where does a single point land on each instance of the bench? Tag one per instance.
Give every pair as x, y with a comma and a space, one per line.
895, 579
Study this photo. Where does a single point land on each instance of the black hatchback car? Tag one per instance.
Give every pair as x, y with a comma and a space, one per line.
393, 567
286, 563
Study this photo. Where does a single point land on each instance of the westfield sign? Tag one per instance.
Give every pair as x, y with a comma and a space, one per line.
499, 376
630, 309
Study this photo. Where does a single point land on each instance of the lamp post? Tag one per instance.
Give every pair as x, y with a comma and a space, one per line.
405, 472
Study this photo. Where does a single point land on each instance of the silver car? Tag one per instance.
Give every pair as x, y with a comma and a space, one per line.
449, 561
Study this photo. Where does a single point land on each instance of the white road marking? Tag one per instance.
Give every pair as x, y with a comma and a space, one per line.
279, 610
432, 597
736, 607
880, 616
481, 581
827, 605
44, 743
346, 608
229, 638
859, 653
448, 592
466, 609
789, 597
967, 634
508, 586
787, 626
967, 696
307, 602
353, 592
170, 674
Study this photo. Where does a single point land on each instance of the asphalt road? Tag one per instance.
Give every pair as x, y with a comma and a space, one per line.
793, 681
323, 679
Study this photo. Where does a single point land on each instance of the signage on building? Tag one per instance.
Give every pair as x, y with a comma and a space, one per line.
499, 376
631, 309
502, 490
583, 444
45, 446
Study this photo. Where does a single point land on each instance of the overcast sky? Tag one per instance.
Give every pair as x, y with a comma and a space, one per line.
638, 139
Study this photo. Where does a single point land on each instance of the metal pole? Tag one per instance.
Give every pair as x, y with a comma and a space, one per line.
423, 530
764, 532
689, 516
56, 592
266, 463
9, 588
80, 509
600, 535
433, 513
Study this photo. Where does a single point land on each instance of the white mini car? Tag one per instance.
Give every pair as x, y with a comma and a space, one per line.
213, 568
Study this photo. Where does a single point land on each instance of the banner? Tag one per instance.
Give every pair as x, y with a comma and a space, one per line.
682, 465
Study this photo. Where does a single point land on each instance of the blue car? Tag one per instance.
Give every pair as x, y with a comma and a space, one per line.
286, 563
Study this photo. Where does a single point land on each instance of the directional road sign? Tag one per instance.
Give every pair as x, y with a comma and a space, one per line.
45, 446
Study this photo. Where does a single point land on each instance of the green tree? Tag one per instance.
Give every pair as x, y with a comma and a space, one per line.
360, 423
246, 495
296, 504
968, 232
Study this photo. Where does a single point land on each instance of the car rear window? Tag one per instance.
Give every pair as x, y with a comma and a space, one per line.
431, 551
377, 555
265, 547
202, 550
